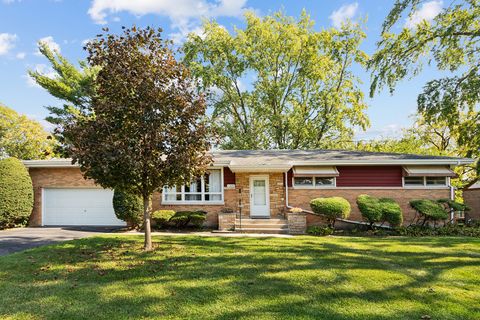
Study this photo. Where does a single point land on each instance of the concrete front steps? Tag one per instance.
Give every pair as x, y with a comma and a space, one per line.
271, 226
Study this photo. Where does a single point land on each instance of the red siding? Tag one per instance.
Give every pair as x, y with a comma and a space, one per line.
289, 178
228, 176
369, 176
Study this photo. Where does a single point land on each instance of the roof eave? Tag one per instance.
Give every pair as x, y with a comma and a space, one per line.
64, 163
454, 162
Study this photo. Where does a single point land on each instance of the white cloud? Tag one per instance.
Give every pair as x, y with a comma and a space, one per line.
7, 42
343, 13
184, 14
44, 70
50, 43
20, 55
428, 12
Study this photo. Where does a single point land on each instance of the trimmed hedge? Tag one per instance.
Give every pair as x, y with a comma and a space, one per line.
391, 212
182, 219
370, 208
454, 205
162, 217
128, 207
380, 210
332, 208
429, 209
16, 194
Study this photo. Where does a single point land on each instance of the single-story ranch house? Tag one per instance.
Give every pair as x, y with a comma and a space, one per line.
253, 184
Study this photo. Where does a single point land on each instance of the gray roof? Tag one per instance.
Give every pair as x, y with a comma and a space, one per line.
298, 157
284, 159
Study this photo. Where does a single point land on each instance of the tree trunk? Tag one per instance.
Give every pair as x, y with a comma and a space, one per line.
147, 208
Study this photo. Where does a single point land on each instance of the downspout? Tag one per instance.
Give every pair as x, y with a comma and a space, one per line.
452, 197
286, 189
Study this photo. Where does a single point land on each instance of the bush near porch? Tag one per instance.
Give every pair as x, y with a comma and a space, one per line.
244, 278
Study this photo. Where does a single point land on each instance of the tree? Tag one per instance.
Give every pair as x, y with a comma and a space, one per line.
304, 93
16, 193
146, 127
75, 87
451, 42
23, 138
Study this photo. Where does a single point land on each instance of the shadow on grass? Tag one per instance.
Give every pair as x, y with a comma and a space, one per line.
231, 278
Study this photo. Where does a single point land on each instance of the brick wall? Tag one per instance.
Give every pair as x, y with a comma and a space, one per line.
301, 198
472, 199
53, 178
72, 178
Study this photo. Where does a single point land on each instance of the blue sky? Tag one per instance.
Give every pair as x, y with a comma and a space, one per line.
66, 24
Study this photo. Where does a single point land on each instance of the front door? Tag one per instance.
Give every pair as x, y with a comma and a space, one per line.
259, 197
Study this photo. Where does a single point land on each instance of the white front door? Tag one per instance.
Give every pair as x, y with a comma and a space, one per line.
259, 197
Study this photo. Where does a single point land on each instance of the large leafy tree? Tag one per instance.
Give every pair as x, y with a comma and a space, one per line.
451, 43
303, 93
23, 138
145, 129
72, 85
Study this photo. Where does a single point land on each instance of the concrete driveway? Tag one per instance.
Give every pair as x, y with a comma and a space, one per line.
14, 240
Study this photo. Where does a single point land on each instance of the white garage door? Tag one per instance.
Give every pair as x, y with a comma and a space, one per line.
79, 207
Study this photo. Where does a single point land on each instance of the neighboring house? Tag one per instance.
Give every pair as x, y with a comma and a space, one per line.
471, 197
254, 183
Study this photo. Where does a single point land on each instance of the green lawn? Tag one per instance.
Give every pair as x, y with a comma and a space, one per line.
231, 278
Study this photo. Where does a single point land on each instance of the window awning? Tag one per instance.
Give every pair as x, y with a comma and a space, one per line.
428, 171
315, 172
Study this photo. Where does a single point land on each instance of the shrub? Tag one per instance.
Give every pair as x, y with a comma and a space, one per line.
430, 210
391, 212
320, 230
454, 205
16, 194
128, 207
383, 209
197, 218
332, 208
370, 208
181, 219
447, 230
162, 217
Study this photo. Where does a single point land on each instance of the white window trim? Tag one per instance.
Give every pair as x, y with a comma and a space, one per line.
201, 202
334, 185
425, 186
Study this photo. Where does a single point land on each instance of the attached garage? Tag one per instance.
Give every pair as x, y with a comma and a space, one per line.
79, 207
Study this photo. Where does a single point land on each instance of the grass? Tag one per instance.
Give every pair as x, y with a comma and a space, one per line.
244, 278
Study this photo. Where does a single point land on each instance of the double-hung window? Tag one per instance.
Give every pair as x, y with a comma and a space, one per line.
205, 189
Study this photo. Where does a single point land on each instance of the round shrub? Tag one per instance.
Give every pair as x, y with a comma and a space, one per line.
16, 193
162, 217
181, 218
197, 218
454, 205
332, 208
391, 211
128, 207
430, 210
370, 208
